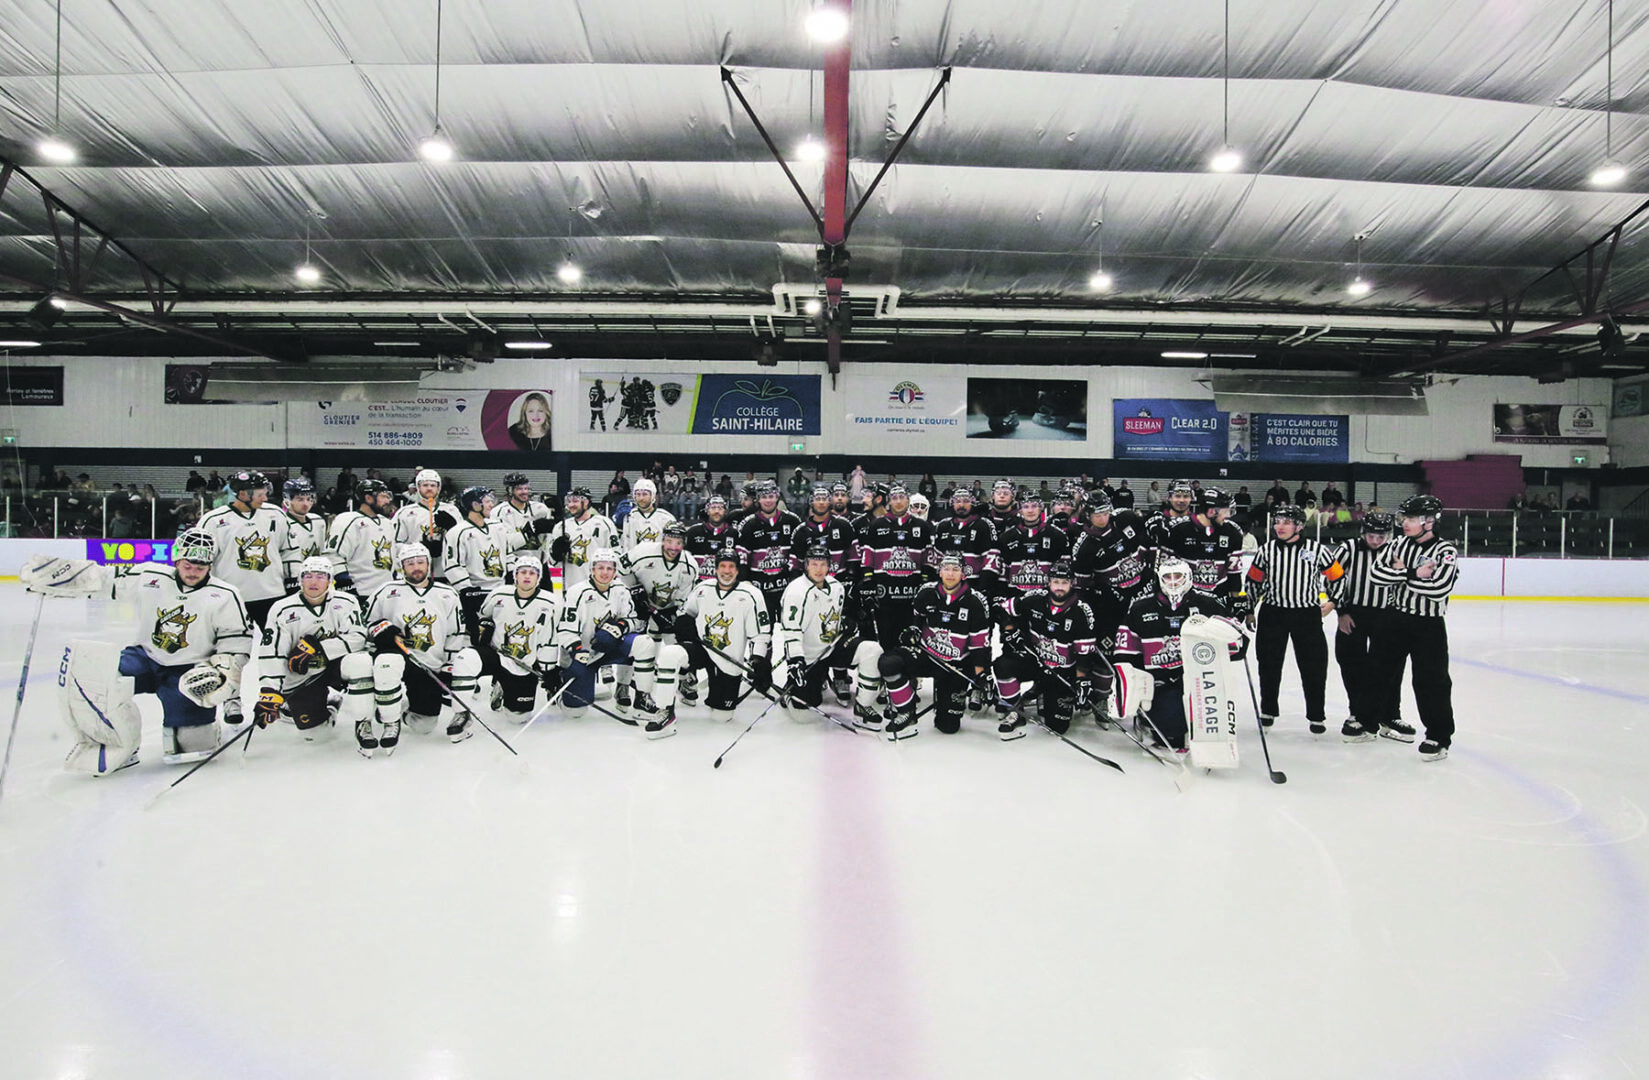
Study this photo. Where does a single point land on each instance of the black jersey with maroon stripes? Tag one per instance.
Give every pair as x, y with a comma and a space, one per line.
1060, 633
1213, 551
1027, 553
1116, 558
1149, 636
764, 544
837, 535
1160, 521
953, 625
895, 556
975, 539
705, 542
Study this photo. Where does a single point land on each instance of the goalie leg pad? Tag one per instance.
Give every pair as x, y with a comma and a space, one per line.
98, 708
671, 662
357, 672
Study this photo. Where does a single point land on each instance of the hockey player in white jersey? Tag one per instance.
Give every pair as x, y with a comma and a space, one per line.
363, 541
194, 641
811, 629
644, 524
659, 574
519, 511
583, 530
416, 625
316, 642
599, 625
426, 519
305, 531
517, 627
477, 548
724, 628
250, 538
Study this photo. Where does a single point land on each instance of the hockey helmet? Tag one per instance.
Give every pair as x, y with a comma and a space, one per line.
951, 558
1288, 512
919, 504
298, 485
715, 500
880, 491
816, 551
1031, 499
729, 554
1100, 504
839, 488
1213, 498
196, 546
515, 480
473, 499
429, 476
525, 560
820, 491
764, 488
579, 492
646, 485
963, 494
405, 553
1379, 522
674, 531
1066, 498
315, 564
248, 480
1174, 577
1421, 506
748, 491
1061, 569
604, 555
1179, 486
368, 490
1004, 484
895, 489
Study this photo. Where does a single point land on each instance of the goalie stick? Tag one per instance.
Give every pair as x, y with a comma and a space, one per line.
22, 685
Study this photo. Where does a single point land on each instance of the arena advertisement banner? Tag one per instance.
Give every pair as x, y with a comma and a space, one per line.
1285, 438
128, 552
668, 403
1546, 424
1629, 398
920, 407
1041, 409
1174, 429
431, 420
33, 386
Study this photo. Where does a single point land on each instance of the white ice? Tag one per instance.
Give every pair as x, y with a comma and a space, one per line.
830, 906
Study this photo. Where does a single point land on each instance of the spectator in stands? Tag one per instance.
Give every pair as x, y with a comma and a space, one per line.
856, 484
1518, 501
1044, 493
690, 483
1277, 495
725, 488
797, 489
618, 489
1305, 495
1332, 498
1153, 496
928, 486
123, 520
83, 484
1122, 496
671, 484
1242, 500
1357, 512
346, 480
196, 482
1578, 501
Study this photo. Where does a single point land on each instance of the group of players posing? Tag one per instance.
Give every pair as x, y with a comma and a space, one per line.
406, 614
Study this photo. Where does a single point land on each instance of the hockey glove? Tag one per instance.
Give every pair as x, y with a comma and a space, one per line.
386, 636
911, 638
344, 580
1241, 605
761, 674
483, 632
268, 708
1084, 693
540, 526
445, 521
304, 654
795, 681
559, 548
433, 546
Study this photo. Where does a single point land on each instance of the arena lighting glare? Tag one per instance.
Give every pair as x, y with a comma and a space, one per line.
1608, 174
569, 273
55, 150
810, 149
1101, 282
19, 344
1227, 160
1185, 356
1360, 287
528, 346
436, 148
44, 314
813, 307
307, 274
827, 25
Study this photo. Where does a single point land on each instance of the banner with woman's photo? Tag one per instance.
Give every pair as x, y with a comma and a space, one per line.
433, 420
1572, 424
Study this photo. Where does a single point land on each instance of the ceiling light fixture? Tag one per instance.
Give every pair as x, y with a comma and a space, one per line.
436, 149
528, 346
54, 148
307, 272
1100, 281
1228, 159
1359, 286
827, 24
1185, 356
569, 273
19, 344
810, 149
1611, 172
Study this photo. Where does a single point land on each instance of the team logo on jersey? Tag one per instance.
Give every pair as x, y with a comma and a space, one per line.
171, 632
492, 563
900, 561
380, 555
419, 628
517, 641
830, 626
718, 631
940, 643
646, 534
253, 553
663, 593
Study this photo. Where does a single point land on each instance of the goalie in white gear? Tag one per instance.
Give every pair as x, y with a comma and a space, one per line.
416, 627
195, 641
517, 626
644, 524
724, 628
811, 631
599, 625
316, 642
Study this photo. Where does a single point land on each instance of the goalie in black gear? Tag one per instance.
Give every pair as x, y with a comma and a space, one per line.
1048, 638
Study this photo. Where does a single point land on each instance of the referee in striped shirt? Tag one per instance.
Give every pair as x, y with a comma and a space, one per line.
1420, 570
1291, 575
1361, 602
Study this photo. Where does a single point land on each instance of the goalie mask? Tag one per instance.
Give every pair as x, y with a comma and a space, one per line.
1174, 578
196, 546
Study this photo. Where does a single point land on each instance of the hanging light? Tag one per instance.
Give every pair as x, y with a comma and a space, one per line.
1360, 286
307, 274
827, 24
54, 148
1611, 172
1228, 159
1101, 281
810, 150
569, 273
437, 149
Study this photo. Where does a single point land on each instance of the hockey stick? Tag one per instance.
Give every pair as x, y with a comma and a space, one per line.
745, 732
207, 760
401, 644
1037, 720
781, 698
1123, 727
22, 685
1277, 777
555, 697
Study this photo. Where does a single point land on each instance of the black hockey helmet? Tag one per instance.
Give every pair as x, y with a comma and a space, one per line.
880, 491
298, 485
579, 492
1288, 512
750, 490
839, 488
515, 479
1177, 486
1379, 522
727, 554
1061, 569
952, 558
816, 551
471, 499
675, 529
820, 491
896, 489
1424, 506
367, 490
1100, 504
764, 488
1213, 498
248, 480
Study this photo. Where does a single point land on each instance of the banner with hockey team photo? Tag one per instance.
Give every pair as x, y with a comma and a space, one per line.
669, 403
432, 420
1571, 424
922, 406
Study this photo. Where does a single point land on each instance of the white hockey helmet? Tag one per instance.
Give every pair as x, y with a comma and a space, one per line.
646, 485
1174, 576
604, 555
427, 474
406, 552
525, 560
315, 564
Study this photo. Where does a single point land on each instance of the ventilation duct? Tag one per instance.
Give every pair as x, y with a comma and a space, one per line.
1319, 394
329, 380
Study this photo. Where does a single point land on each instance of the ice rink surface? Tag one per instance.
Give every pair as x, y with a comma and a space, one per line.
829, 905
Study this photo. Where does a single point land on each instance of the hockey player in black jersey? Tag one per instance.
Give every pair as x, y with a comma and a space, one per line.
764, 545
895, 560
710, 537
1177, 508
823, 526
1210, 543
1112, 561
973, 537
1004, 508
1149, 639
1029, 547
948, 632
1054, 646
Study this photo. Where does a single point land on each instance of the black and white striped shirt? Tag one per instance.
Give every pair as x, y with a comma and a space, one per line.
1411, 593
1294, 574
1358, 589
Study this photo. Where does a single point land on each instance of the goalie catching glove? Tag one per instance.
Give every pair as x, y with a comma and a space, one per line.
212, 681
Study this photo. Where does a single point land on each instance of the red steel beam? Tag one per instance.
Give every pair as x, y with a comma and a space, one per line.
836, 66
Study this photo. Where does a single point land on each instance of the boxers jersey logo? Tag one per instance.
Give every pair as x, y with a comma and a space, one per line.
717, 631
171, 632
253, 553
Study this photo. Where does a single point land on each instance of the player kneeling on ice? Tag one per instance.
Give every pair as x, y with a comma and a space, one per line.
599, 627
1149, 641
1049, 637
811, 641
315, 642
518, 623
724, 628
949, 639
195, 642
416, 629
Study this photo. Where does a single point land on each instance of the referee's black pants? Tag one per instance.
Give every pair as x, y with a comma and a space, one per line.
1375, 694
1424, 641
1276, 627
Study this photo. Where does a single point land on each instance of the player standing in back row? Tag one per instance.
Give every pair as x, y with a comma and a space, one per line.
1421, 569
